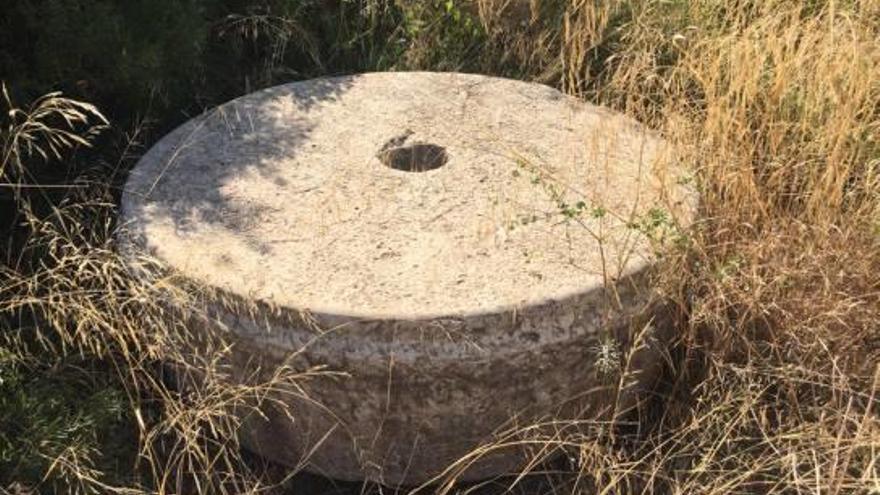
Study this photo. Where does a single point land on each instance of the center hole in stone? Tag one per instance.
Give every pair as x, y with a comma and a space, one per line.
415, 157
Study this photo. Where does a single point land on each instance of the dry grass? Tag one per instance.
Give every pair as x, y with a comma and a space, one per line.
67, 291
774, 105
83, 298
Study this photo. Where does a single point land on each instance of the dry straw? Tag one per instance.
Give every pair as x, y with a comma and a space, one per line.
772, 374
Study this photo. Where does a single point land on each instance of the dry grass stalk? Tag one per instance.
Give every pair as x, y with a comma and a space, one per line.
774, 106
773, 389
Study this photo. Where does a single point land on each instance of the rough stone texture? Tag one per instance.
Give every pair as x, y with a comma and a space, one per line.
438, 237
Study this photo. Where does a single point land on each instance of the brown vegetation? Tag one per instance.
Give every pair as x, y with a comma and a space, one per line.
773, 375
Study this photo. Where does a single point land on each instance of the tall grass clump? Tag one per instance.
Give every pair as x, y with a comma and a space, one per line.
109, 385
774, 107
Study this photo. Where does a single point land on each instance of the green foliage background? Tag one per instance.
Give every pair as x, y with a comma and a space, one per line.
161, 58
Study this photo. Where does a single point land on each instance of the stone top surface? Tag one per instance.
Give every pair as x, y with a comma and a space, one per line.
401, 195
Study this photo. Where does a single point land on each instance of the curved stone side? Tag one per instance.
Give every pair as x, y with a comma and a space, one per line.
413, 405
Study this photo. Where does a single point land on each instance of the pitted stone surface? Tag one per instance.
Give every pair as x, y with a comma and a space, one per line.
446, 227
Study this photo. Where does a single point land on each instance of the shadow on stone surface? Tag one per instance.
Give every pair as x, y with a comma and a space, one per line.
248, 135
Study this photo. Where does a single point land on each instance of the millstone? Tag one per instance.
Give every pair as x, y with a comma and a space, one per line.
469, 250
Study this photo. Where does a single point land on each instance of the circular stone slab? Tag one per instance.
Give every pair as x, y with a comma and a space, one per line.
457, 244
